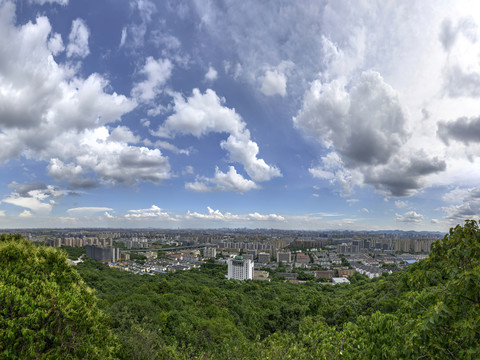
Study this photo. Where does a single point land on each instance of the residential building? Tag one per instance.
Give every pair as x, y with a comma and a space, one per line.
240, 268
103, 254
209, 252
346, 272
302, 258
284, 257
263, 258
327, 274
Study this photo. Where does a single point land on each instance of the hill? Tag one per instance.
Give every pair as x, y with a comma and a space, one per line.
429, 311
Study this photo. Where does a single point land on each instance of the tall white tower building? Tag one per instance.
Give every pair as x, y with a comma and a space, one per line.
240, 268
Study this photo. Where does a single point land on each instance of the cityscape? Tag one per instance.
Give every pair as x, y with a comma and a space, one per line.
313, 255
224, 179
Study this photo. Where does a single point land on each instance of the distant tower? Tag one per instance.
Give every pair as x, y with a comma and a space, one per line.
240, 268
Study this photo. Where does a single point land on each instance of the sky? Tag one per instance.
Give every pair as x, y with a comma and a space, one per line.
310, 115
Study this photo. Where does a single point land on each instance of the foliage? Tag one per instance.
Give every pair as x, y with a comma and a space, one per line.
429, 311
74, 253
46, 311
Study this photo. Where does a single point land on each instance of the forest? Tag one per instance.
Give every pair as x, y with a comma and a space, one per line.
48, 308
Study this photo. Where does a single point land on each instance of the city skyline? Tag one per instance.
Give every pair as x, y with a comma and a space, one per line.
196, 114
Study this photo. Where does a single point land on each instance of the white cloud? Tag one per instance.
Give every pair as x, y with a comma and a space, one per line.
153, 213
25, 214
55, 44
273, 83
123, 134
87, 211
2, 212
409, 217
243, 150
156, 73
269, 217
230, 181
78, 39
400, 204
467, 205
365, 129
71, 172
170, 147
50, 113
201, 114
34, 197
217, 215
211, 74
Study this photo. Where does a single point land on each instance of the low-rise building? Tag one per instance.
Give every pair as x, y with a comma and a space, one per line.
338, 280
302, 258
326, 274
346, 272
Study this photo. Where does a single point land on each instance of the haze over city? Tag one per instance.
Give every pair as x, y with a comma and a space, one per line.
275, 114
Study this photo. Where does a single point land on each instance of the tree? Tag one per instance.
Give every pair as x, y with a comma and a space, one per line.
46, 310
446, 297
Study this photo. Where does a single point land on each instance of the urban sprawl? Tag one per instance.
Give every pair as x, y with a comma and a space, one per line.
330, 256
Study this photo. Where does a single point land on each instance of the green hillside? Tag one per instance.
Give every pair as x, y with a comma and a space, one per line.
430, 311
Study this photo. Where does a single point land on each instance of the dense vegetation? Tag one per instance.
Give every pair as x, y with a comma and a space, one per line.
430, 311
46, 310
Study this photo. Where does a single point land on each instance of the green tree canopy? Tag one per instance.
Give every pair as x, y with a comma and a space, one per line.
46, 310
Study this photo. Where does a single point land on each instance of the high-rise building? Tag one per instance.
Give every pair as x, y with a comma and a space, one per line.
284, 257
263, 258
209, 252
103, 254
240, 268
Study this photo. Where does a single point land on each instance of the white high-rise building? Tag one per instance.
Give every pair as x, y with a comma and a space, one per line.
240, 268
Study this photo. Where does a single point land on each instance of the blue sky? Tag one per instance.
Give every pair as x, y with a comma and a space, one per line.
274, 114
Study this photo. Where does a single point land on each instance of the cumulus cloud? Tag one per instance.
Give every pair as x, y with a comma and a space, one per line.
400, 204
123, 134
409, 217
71, 173
467, 207
229, 181
152, 213
201, 114
55, 44
218, 215
156, 73
78, 40
464, 129
365, 128
49, 112
365, 125
25, 214
404, 176
273, 83
211, 74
